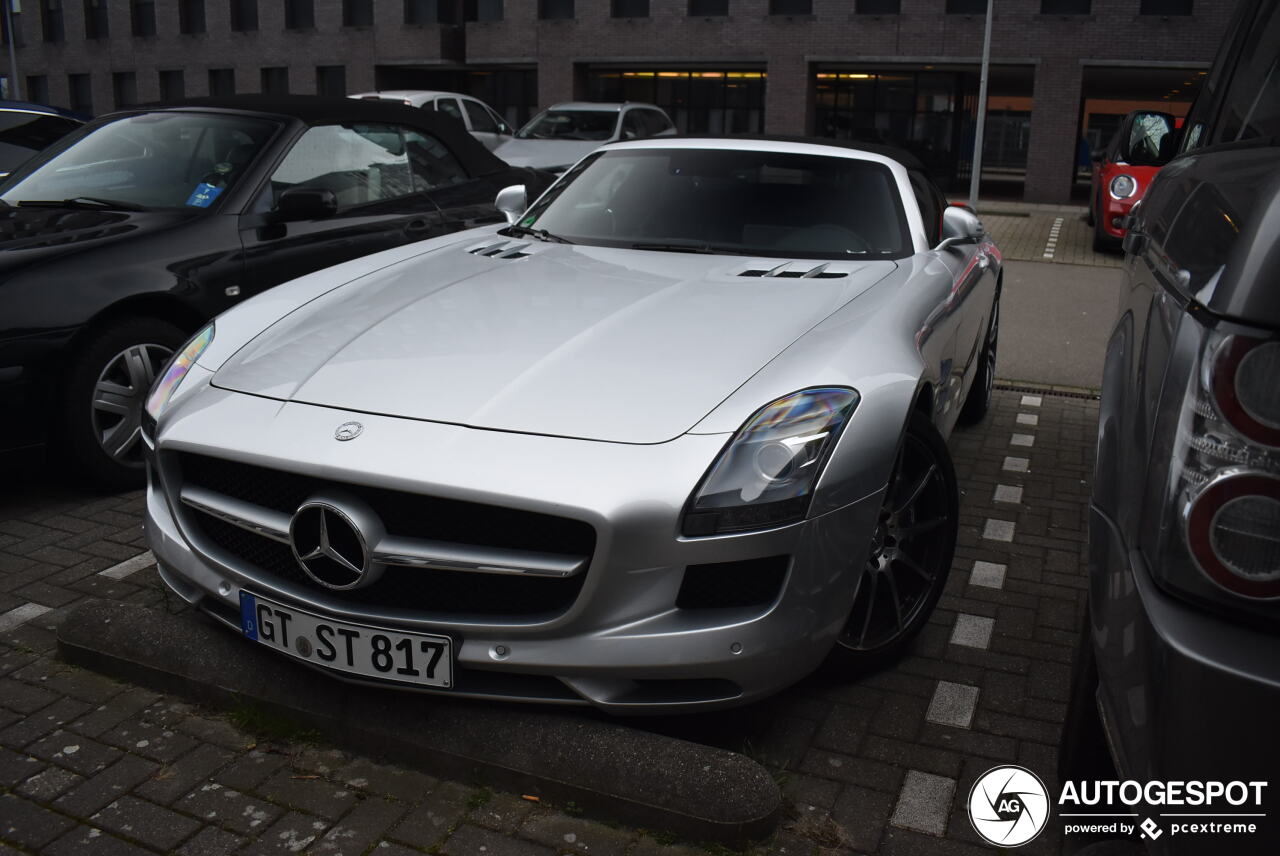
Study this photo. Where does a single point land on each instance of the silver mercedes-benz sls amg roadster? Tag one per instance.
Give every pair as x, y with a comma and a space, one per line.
668, 440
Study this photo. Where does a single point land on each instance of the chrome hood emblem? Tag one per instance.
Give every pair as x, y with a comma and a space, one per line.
348, 431
330, 546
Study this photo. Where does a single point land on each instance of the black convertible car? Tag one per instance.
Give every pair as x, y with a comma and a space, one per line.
120, 241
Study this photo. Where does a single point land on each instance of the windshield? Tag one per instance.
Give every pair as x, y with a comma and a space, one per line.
24, 133
153, 160
740, 202
571, 125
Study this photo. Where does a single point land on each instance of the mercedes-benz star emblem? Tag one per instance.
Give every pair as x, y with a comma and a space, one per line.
348, 431
329, 546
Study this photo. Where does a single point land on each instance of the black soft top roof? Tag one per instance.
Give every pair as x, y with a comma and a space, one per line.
902, 156
328, 110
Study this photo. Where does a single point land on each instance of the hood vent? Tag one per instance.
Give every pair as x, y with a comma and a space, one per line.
789, 270
501, 249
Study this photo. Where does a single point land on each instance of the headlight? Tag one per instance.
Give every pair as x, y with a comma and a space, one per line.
176, 371
1123, 186
765, 476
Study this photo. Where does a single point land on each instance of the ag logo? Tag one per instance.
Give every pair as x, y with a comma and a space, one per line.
1008, 806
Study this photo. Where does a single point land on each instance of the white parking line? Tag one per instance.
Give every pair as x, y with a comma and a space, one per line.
1030, 401
1028, 419
20, 615
1008, 493
998, 530
924, 803
1022, 440
987, 575
129, 566
953, 704
1016, 465
972, 631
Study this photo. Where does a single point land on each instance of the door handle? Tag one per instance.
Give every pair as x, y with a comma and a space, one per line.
420, 225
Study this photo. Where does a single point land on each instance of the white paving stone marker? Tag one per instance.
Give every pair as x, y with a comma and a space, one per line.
1030, 401
1008, 493
129, 566
1051, 245
20, 615
987, 575
1027, 440
973, 631
998, 530
924, 803
953, 704
1028, 419
1016, 465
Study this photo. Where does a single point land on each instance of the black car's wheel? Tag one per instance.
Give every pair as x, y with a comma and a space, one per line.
101, 420
978, 401
901, 579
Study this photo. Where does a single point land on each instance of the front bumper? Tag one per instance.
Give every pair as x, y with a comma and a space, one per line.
1185, 695
622, 644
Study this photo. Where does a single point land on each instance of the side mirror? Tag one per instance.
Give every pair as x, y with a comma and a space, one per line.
1144, 144
512, 201
960, 226
306, 203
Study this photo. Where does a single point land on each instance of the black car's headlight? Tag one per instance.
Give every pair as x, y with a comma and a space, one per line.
766, 475
173, 373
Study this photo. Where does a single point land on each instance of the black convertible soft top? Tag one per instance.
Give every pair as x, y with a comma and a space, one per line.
328, 110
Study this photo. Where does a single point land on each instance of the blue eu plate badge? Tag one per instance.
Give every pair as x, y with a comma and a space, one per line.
203, 195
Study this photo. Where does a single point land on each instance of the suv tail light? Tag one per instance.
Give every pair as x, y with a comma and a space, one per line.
1225, 478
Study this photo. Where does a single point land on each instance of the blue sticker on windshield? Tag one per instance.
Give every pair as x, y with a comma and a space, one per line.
203, 195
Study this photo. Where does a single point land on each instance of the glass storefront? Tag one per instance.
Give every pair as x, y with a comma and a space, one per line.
698, 101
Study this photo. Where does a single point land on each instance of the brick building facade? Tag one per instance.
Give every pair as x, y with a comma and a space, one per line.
1052, 55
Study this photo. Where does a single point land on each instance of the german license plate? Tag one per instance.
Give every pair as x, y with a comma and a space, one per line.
373, 652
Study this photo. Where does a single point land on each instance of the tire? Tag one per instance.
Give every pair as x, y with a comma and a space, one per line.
100, 417
978, 401
1102, 242
900, 582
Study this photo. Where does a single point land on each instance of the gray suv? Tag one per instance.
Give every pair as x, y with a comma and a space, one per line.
1178, 677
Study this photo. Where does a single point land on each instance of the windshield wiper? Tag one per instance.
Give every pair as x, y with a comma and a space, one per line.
81, 202
684, 248
515, 231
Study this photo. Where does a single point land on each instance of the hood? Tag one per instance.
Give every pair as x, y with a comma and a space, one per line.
546, 154
29, 235
587, 342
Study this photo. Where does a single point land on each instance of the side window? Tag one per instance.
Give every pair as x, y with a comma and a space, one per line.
632, 127
658, 122
930, 202
499, 121
432, 163
449, 107
1251, 104
480, 118
359, 163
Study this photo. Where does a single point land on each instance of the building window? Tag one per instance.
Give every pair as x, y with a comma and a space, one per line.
331, 80
244, 15
966, 7
51, 21
357, 13
124, 86
275, 80
421, 12
790, 7
38, 88
1065, 7
301, 15
1165, 7
80, 93
143, 17
96, 25
879, 7
482, 10
172, 85
190, 17
630, 8
699, 102
555, 10
222, 81
708, 8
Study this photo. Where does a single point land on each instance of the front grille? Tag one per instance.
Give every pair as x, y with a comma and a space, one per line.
720, 585
403, 514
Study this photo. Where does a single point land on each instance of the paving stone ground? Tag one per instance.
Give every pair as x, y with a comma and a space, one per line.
1045, 233
879, 763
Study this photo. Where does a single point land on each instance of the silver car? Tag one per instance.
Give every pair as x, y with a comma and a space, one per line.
561, 135
670, 440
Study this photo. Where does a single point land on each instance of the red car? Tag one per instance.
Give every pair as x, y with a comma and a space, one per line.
1124, 169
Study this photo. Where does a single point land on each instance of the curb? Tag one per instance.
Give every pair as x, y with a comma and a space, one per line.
614, 772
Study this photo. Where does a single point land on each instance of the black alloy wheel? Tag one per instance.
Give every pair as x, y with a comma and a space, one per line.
906, 569
978, 401
103, 403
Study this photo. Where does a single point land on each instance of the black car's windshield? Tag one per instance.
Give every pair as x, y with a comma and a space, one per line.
741, 202
24, 132
153, 160
570, 125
